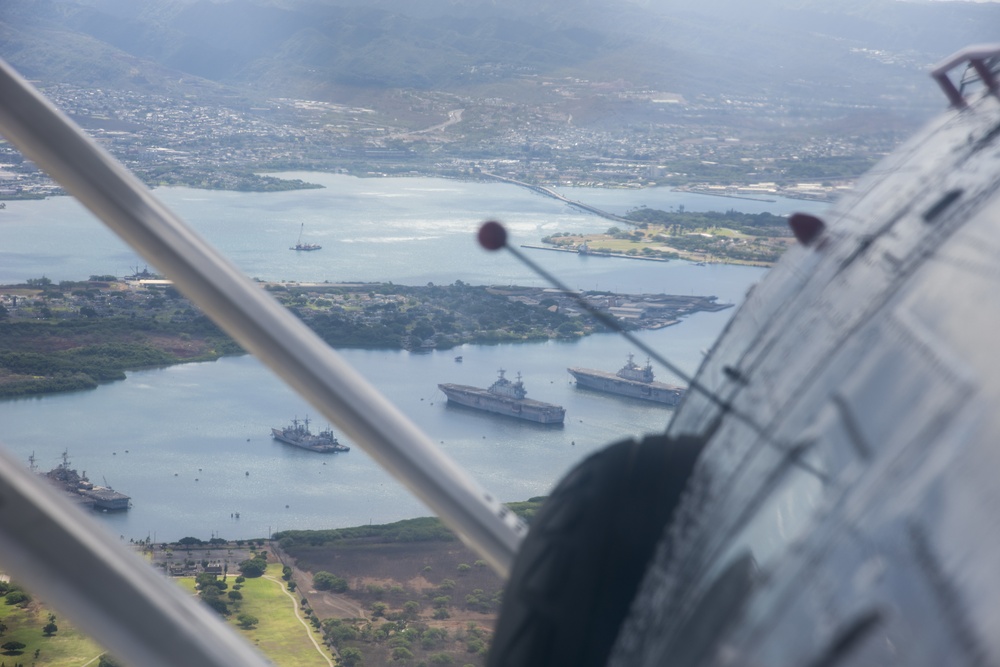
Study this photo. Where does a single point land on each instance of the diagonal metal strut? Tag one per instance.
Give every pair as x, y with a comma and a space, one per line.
264, 328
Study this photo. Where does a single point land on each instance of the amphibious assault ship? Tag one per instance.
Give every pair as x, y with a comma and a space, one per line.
81, 489
505, 398
632, 380
299, 435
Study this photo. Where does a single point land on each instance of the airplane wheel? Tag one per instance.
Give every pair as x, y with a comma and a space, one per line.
588, 548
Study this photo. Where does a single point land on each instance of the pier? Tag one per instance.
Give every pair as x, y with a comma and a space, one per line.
595, 253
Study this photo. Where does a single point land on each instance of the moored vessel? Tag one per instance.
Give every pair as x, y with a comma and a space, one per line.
305, 246
504, 397
631, 380
81, 489
299, 435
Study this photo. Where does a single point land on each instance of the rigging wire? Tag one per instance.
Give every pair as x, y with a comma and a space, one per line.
493, 236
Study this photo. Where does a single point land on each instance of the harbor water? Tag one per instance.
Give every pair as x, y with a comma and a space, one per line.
191, 443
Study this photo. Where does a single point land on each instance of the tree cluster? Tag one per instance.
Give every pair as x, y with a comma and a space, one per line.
409, 530
325, 581
753, 224
254, 567
210, 589
48, 356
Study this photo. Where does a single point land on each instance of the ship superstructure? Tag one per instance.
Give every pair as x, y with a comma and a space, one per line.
631, 380
305, 246
505, 397
299, 435
81, 489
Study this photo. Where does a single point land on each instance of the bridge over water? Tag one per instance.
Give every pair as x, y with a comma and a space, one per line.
549, 192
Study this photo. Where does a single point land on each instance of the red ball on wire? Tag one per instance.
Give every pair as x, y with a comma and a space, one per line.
492, 235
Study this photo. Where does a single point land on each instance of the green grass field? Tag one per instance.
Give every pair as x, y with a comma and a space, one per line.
279, 635
66, 648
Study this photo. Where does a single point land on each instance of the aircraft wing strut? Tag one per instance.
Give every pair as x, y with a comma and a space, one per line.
124, 605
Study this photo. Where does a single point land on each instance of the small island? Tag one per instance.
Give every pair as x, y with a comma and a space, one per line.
77, 334
754, 239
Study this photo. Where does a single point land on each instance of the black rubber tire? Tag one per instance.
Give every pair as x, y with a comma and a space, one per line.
587, 550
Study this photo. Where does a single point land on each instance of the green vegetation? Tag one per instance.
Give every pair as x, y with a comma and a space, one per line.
210, 589
279, 632
754, 224
425, 599
75, 335
13, 647
325, 581
79, 368
423, 529
400, 316
247, 621
730, 236
59, 341
17, 597
264, 611
220, 178
29, 633
526, 509
269, 619
254, 567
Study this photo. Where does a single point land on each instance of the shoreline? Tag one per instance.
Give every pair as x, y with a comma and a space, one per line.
597, 253
96, 343
545, 189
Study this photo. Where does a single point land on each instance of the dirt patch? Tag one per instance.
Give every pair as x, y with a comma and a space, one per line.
407, 591
179, 346
324, 603
419, 583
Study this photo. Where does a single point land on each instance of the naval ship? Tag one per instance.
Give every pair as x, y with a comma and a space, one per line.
81, 490
298, 434
305, 246
632, 380
505, 398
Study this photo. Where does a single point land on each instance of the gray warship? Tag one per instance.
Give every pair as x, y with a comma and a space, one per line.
505, 398
82, 490
632, 380
299, 435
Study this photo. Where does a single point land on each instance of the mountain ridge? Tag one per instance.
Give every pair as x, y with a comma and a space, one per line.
292, 47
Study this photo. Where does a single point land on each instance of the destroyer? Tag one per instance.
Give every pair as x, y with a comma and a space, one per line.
632, 380
505, 398
298, 434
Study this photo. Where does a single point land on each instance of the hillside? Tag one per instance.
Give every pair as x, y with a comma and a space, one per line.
346, 48
408, 585
782, 95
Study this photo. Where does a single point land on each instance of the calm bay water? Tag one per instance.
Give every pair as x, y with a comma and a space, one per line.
191, 443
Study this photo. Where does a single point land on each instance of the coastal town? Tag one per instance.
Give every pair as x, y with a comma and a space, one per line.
692, 144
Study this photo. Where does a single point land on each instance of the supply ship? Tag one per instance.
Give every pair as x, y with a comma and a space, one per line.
505, 398
632, 380
299, 435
